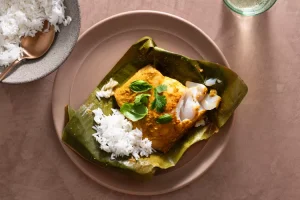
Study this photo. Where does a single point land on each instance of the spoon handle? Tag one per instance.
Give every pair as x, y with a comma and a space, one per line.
8, 69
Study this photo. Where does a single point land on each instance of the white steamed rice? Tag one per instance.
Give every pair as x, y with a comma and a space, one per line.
116, 135
20, 18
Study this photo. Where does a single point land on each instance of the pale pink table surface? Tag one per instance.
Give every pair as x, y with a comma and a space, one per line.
262, 159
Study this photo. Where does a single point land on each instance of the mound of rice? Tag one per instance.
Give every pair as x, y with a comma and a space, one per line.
116, 135
20, 18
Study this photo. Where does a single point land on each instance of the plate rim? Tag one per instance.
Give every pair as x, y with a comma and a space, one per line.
162, 13
226, 139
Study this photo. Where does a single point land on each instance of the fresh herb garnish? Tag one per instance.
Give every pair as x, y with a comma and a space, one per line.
137, 110
134, 112
164, 119
140, 86
160, 101
141, 99
161, 88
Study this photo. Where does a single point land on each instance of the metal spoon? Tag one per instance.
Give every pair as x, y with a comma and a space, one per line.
34, 47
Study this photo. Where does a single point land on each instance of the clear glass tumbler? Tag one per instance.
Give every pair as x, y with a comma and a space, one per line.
249, 7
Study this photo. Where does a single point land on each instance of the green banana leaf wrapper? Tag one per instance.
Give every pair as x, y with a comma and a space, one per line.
78, 131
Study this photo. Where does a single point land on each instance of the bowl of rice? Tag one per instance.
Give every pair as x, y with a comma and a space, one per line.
26, 18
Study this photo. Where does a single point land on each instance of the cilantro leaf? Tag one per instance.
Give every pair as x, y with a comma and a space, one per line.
134, 112
160, 101
153, 104
161, 88
141, 99
164, 119
140, 86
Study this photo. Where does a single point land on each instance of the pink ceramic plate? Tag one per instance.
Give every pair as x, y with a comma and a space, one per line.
96, 52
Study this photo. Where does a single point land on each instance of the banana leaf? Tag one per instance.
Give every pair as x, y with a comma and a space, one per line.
77, 133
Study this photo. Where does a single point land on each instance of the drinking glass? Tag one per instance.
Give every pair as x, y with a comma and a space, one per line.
249, 7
